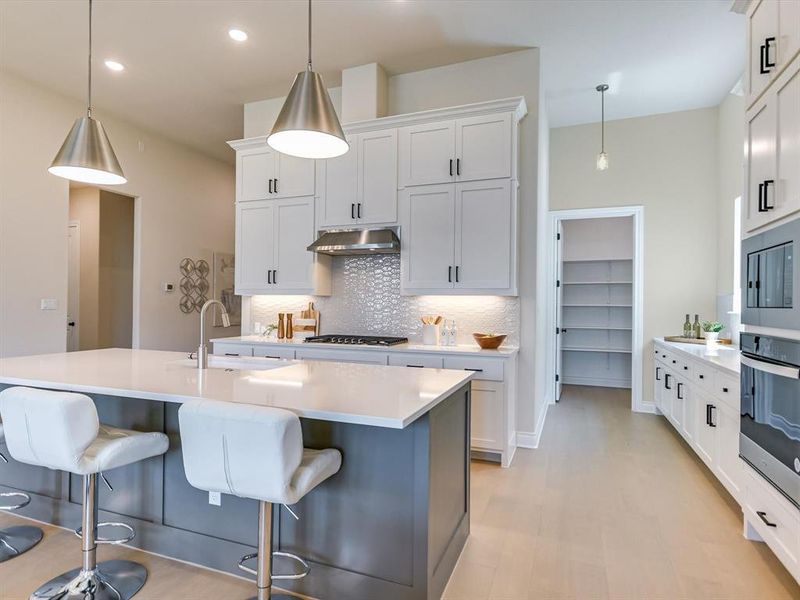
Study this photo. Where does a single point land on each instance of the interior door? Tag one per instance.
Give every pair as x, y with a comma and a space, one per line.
255, 170
483, 147
255, 241
428, 237
377, 180
294, 232
294, 176
559, 308
483, 235
73, 286
340, 191
427, 153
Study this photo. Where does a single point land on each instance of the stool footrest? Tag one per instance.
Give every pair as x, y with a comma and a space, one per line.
113, 542
300, 575
26, 499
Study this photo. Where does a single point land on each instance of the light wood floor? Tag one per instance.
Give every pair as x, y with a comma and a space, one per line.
612, 505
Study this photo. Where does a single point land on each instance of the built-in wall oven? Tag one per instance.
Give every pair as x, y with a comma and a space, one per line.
770, 410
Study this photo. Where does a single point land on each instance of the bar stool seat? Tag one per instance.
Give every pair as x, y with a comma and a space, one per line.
61, 431
20, 538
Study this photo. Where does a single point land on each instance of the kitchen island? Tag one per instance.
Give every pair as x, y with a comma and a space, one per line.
391, 524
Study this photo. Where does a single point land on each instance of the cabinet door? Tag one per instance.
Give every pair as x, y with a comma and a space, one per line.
678, 402
688, 424
487, 416
377, 177
729, 466
787, 106
254, 246
254, 169
428, 238
484, 235
294, 232
706, 417
788, 30
667, 392
483, 147
658, 387
762, 35
340, 188
294, 177
427, 153
760, 166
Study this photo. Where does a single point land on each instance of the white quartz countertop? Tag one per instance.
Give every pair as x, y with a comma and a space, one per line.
374, 395
461, 349
723, 357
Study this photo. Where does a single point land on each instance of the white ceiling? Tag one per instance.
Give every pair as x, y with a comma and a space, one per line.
186, 79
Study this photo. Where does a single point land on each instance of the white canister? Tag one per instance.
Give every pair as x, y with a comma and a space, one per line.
430, 335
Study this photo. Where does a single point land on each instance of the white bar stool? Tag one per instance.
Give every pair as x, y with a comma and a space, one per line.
253, 452
61, 431
16, 540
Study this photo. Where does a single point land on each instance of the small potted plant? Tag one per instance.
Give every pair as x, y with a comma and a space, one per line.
712, 329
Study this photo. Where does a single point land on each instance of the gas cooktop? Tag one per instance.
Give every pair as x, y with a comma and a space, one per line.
357, 340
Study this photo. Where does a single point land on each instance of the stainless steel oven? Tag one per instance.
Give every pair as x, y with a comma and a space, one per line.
769, 278
769, 437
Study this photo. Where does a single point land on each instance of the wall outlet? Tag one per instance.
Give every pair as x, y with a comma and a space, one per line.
49, 304
215, 498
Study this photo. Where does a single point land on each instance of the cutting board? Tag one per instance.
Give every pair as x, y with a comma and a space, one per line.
685, 340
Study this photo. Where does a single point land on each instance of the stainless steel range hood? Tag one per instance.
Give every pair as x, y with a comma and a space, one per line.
349, 242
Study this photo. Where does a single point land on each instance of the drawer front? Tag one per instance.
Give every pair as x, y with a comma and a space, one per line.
409, 359
273, 352
726, 388
663, 356
764, 506
489, 369
347, 356
704, 376
225, 349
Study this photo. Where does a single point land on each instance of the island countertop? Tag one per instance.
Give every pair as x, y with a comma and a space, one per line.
381, 396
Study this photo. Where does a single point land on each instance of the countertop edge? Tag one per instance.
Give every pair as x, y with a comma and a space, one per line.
706, 359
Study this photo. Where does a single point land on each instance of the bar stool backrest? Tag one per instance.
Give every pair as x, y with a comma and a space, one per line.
48, 429
241, 449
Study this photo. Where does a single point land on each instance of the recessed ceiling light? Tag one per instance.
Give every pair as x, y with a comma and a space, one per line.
114, 65
238, 35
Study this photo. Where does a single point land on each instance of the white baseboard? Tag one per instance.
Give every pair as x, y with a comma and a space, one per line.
530, 439
646, 407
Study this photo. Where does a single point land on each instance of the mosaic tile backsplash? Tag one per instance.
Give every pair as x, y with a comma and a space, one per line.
366, 300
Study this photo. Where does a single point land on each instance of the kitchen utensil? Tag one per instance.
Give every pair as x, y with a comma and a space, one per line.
281, 326
430, 334
289, 326
488, 341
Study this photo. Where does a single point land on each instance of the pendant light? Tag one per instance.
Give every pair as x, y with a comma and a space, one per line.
307, 125
86, 154
602, 158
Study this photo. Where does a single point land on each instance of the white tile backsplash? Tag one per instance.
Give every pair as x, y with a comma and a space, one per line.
366, 300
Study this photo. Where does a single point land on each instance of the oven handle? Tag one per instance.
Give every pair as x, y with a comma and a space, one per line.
780, 370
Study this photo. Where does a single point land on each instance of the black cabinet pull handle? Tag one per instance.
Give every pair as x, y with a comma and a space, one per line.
701, 376
276, 185
275, 357
761, 198
767, 63
766, 194
449, 274
456, 273
674, 362
680, 397
658, 373
458, 166
416, 366
451, 167
666, 381
708, 415
475, 370
274, 275
270, 186
709, 408
763, 516
232, 354
725, 390
685, 368
358, 213
762, 68
352, 210
269, 276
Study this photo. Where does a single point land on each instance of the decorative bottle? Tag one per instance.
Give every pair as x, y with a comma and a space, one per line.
289, 327
687, 327
697, 330
281, 326
453, 335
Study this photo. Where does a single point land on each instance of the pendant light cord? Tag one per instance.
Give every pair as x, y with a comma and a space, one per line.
603, 121
309, 36
89, 94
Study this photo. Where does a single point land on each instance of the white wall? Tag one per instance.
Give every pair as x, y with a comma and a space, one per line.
185, 209
668, 164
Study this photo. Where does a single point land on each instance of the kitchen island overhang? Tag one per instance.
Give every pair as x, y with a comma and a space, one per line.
391, 524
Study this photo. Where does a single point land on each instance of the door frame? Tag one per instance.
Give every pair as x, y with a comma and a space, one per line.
76, 332
637, 334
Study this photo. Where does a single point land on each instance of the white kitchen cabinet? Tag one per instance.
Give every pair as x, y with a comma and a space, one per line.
360, 187
271, 241
263, 173
415, 360
369, 357
487, 422
459, 238
773, 153
466, 149
773, 41
728, 466
679, 391
706, 418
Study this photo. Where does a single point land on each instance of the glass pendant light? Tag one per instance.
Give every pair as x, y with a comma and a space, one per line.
86, 154
602, 158
307, 125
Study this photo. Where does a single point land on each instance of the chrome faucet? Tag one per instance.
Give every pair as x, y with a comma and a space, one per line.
202, 350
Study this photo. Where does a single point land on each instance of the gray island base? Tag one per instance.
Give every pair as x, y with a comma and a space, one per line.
389, 526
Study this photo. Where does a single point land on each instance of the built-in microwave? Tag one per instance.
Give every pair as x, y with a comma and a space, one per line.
769, 278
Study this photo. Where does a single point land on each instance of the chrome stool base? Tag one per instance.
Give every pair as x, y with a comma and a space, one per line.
110, 580
18, 540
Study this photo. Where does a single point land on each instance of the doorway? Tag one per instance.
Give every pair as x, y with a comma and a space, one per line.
100, 269
597, 304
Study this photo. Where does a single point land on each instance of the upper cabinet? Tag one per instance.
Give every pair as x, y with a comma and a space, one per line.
465, 149
263, 173
773, 41
360, 187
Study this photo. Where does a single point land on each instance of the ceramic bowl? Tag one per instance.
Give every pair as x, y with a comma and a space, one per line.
487, 341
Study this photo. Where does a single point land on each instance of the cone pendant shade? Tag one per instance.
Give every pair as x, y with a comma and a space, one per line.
87, 155
307, 125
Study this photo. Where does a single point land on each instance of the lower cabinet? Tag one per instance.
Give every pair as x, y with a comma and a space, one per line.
728, 465
488, 416
706, 438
